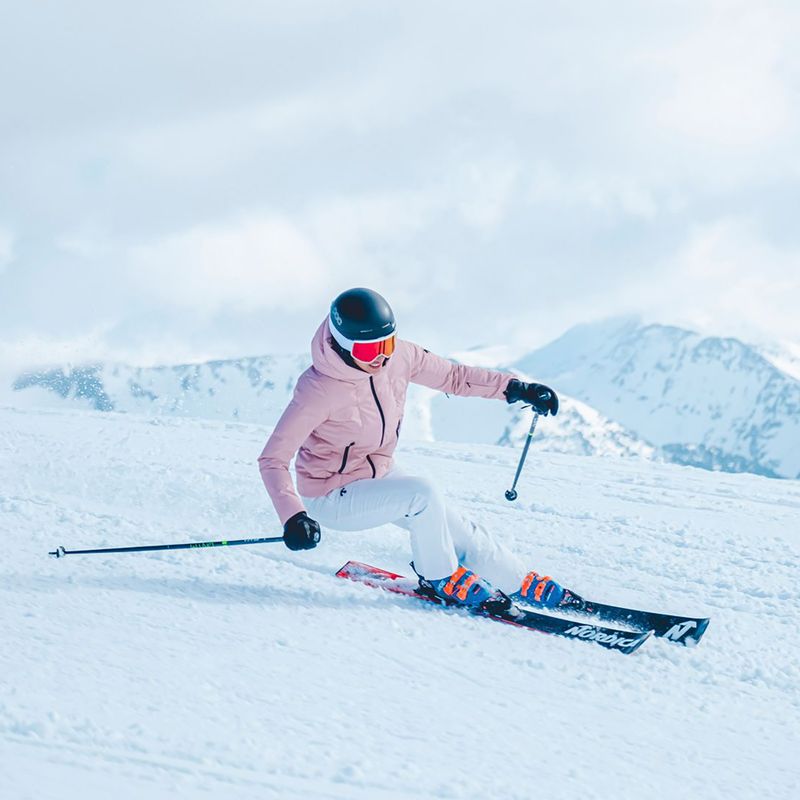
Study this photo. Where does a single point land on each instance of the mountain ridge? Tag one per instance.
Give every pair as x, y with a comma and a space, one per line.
707, 401
628, 389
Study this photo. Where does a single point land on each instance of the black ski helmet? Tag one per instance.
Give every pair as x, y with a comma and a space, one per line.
361, 315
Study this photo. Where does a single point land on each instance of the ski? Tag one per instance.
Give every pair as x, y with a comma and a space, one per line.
610, 638
672, 628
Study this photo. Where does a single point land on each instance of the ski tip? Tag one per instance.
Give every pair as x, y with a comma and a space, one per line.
692, 639
684, 631
59, 552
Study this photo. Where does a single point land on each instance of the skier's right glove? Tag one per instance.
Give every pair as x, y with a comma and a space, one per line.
300, 532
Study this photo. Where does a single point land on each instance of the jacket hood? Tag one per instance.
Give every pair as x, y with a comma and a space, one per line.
327, 361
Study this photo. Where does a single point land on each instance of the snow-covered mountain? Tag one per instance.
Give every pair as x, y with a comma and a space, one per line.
783, 355
257, 390
245, 389
711, 402
578, 429
627, 389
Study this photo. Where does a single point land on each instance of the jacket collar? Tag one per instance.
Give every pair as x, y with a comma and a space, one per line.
327, 361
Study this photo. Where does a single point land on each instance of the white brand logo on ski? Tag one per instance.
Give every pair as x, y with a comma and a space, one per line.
591, 633
677, 632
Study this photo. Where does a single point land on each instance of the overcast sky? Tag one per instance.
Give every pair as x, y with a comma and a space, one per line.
185, 180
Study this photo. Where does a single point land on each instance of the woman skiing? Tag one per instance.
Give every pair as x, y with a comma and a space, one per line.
343, 423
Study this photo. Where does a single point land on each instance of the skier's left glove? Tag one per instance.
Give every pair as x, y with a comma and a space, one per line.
542, 398
300, 532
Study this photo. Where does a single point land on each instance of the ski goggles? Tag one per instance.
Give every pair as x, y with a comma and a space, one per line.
366, 351
369, 351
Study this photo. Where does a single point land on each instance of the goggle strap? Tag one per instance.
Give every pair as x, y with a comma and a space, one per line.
347, 344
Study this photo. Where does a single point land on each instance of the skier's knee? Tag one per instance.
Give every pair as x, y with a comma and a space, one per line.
423, 493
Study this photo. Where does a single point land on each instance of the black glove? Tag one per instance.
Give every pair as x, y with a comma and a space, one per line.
300, 532
542, 398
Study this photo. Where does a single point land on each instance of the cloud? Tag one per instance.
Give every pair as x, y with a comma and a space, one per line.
725, 278
485, 189
215, 140
736, 275
492, 171
6, 248
265, 260
725, 77
249, 264
611, 194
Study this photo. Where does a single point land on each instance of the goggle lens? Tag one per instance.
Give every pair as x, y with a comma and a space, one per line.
369, 351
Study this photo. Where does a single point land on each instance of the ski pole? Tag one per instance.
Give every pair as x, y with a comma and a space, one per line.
60, 552
511, 494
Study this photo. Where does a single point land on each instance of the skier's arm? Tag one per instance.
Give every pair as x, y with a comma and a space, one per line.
446, 376
296, 423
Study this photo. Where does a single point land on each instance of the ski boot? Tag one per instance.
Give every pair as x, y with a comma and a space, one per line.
464, 588
541, 591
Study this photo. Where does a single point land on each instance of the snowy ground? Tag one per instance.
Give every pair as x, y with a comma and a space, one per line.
254, 673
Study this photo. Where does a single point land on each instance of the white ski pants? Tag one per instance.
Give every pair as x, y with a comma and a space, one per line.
440, 538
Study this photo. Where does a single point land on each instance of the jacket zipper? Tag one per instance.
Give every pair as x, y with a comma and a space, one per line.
344, 459
383, 419
372, 465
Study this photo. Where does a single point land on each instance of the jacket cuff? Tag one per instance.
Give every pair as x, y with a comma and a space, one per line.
513, 391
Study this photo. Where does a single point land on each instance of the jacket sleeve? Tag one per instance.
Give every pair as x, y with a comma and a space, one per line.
447, 376
307, 409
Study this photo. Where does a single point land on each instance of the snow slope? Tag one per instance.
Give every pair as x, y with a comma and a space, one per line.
254, 673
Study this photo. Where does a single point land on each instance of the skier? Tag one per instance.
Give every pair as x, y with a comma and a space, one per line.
343, 422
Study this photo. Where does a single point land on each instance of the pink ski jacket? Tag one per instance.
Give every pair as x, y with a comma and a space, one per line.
344, 423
